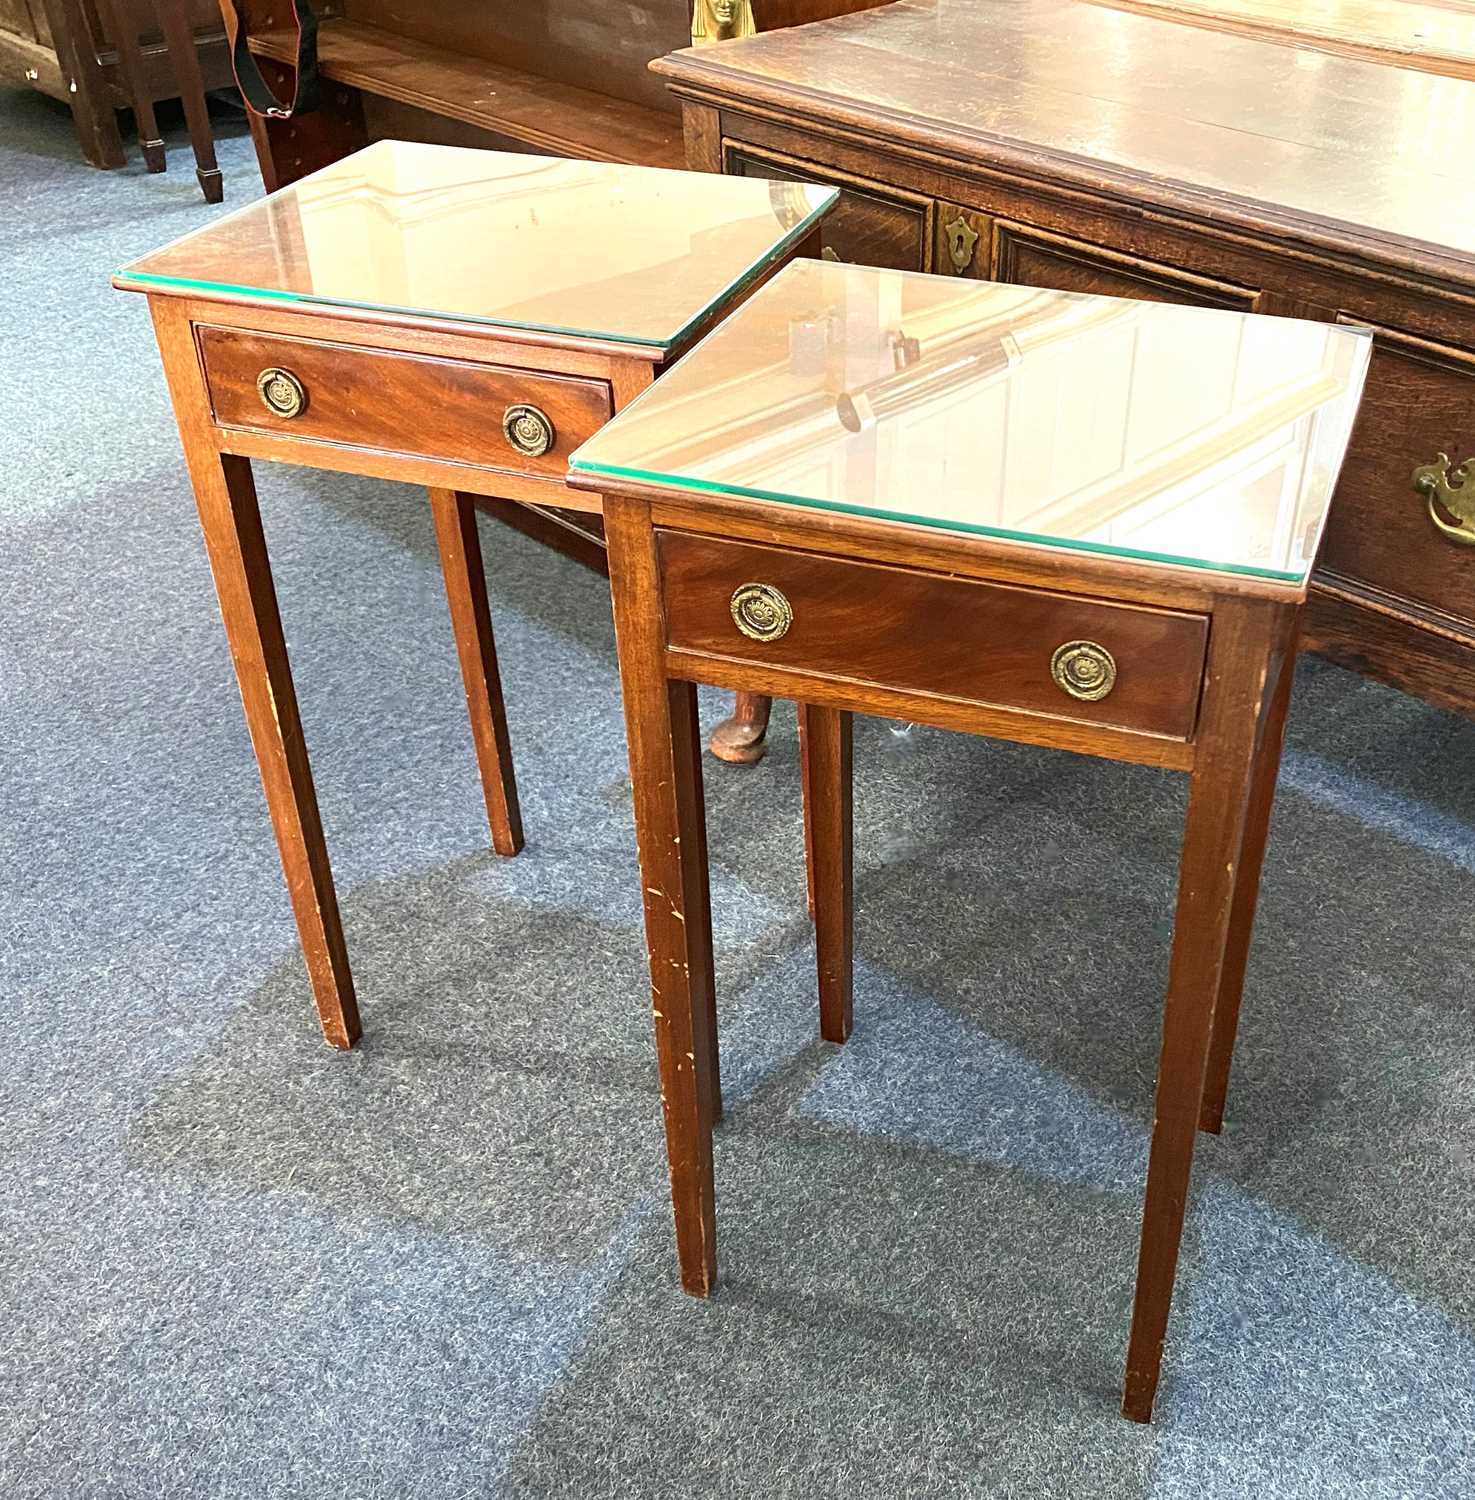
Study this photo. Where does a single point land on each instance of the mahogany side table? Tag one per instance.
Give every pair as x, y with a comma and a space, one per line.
1065, 520
451, 318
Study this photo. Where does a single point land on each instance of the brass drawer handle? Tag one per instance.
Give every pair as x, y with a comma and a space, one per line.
1454, 489
281, 392
761, 612
1084, 670
528, 429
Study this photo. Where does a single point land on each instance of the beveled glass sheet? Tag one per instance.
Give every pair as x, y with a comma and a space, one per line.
630, 254
1188, 435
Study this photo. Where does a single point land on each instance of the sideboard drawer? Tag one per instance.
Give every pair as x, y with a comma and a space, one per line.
871, 225
449, 409
919, 631
1419, 402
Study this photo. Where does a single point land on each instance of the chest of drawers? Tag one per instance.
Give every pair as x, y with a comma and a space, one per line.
1058, 144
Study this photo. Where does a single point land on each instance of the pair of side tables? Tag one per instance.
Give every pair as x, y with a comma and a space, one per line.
1069, 521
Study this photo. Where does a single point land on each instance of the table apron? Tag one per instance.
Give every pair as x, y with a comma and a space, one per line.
997, 722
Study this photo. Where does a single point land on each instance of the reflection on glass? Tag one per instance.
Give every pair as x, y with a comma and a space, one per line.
1192, 435
632, 254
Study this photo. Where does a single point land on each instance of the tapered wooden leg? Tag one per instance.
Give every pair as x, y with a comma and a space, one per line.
827, 740
122, 28
806, 790
665, 775
1246, 896
179, 38
1236, 701
466, 592
687, 747
738, 739
226, 497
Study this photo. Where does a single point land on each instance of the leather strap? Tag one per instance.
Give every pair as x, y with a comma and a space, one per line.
260, 98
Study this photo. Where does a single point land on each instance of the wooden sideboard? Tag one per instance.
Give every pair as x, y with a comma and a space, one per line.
1062, 144
561, 77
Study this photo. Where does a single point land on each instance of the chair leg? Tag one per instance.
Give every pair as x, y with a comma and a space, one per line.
180, 40
90, 99
120, 27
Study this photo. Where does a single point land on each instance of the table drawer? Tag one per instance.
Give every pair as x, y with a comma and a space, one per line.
448, 409
924, 632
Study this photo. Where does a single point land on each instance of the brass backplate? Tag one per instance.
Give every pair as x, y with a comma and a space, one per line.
281, 392
1451, 489
761, 611
1084, 670
528, 429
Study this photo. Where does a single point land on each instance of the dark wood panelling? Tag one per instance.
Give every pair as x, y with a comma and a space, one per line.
1419, 402
871, 225
1032, 257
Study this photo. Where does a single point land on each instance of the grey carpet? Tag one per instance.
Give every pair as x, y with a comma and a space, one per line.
234, 1263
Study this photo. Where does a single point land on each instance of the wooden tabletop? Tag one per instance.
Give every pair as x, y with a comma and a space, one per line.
1318, 149
1435, 38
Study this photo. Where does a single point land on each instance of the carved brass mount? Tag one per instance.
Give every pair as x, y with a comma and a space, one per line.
281, 392
962, 241
1084, 670
528, 430
1452, 489
721, 21
761, 611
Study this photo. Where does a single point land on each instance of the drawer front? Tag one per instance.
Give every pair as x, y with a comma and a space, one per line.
923, 632
1419, 402
446, 409
871, 225
1033, 257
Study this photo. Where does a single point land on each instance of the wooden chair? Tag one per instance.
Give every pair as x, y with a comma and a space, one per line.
184, 61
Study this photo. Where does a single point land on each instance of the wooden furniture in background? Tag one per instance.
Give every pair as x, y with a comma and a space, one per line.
1435, 38
1129, 587
350, 324
62, 48
184, 62
566, 77
979, 141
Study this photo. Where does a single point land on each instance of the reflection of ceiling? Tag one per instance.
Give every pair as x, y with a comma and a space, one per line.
1437, 37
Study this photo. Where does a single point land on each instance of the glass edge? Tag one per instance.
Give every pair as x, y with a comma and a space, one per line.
131, 274
1055, 544
668, 341
766, 259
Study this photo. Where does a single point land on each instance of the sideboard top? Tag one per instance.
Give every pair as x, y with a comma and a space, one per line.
1277, 137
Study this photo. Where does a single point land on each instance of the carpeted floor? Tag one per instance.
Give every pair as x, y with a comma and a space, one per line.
235, 1263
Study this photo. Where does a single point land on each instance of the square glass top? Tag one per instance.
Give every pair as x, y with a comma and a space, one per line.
628, 254
1187, 435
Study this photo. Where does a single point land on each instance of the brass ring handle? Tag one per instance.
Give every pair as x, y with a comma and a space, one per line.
1084, 670
528, 429
761, 612
1454, 490
281, 392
